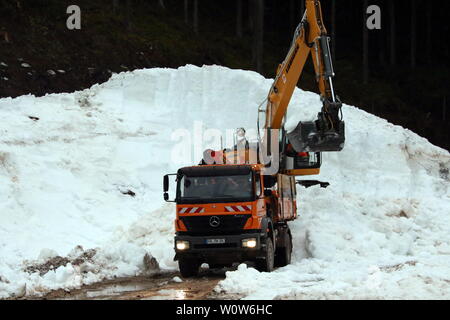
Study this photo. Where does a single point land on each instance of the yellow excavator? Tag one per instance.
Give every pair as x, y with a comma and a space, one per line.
327, 132
298, 152
236, 204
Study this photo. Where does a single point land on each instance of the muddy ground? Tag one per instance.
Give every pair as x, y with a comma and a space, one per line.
162, 286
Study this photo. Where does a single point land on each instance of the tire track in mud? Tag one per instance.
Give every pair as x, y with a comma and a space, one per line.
162, 286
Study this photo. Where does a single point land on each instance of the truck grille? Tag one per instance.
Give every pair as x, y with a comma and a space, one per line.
228, 224
215, 246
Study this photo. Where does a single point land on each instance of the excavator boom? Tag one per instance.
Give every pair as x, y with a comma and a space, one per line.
327, 132
297, 152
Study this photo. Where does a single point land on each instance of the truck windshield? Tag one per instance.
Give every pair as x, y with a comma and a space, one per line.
232, 188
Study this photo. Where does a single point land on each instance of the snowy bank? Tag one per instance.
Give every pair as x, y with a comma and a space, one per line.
85, 168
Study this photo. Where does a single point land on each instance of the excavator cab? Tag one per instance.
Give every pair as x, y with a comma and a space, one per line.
293, 162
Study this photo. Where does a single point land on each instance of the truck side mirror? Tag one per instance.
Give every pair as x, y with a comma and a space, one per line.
166, 184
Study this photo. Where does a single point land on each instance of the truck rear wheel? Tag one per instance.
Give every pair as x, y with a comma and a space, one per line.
188, 267
219, 266
267, 264
283, 254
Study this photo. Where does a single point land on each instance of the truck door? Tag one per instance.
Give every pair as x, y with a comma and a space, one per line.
294, 197
286, 200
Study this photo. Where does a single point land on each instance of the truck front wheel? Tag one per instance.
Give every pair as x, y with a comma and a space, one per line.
266, 264
188, 267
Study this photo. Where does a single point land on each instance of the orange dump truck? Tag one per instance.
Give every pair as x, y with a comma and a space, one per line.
232, 213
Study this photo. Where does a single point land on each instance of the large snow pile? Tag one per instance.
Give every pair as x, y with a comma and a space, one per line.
85, 169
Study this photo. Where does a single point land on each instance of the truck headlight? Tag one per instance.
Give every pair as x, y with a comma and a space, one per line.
182, 245
249, 243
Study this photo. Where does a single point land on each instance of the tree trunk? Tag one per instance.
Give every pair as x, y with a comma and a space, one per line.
115, 6
292, 15
239, 18
365, 45
195, 22
161, 4
381, 50
302, 7
333, 29
393, 52
186, 11
429, 31
258, 34
381, 41
250, 15
413, 33
129, 14
444, 108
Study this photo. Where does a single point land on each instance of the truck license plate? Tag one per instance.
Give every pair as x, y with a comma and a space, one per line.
215, 241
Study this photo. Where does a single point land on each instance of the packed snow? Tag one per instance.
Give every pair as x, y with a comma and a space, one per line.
81, 200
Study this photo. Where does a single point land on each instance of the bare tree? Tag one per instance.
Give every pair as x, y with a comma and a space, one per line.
393, 51
413, 33
195, 20
258, 34
239, 18
365, 44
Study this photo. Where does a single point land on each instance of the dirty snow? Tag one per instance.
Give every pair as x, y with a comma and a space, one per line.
83, 171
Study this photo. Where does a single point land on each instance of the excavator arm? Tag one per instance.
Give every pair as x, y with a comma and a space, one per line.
327, 132
299, 150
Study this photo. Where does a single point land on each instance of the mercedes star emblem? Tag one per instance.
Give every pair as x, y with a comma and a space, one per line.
214, 221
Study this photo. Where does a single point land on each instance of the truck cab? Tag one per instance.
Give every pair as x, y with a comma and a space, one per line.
232, 213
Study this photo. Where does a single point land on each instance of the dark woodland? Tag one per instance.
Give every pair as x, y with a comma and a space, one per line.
400, 72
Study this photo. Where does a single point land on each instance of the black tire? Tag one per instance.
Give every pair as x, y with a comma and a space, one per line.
267, 264
283, 254
217, 266
188, 267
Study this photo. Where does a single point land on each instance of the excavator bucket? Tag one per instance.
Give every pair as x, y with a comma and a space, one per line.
307, 138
